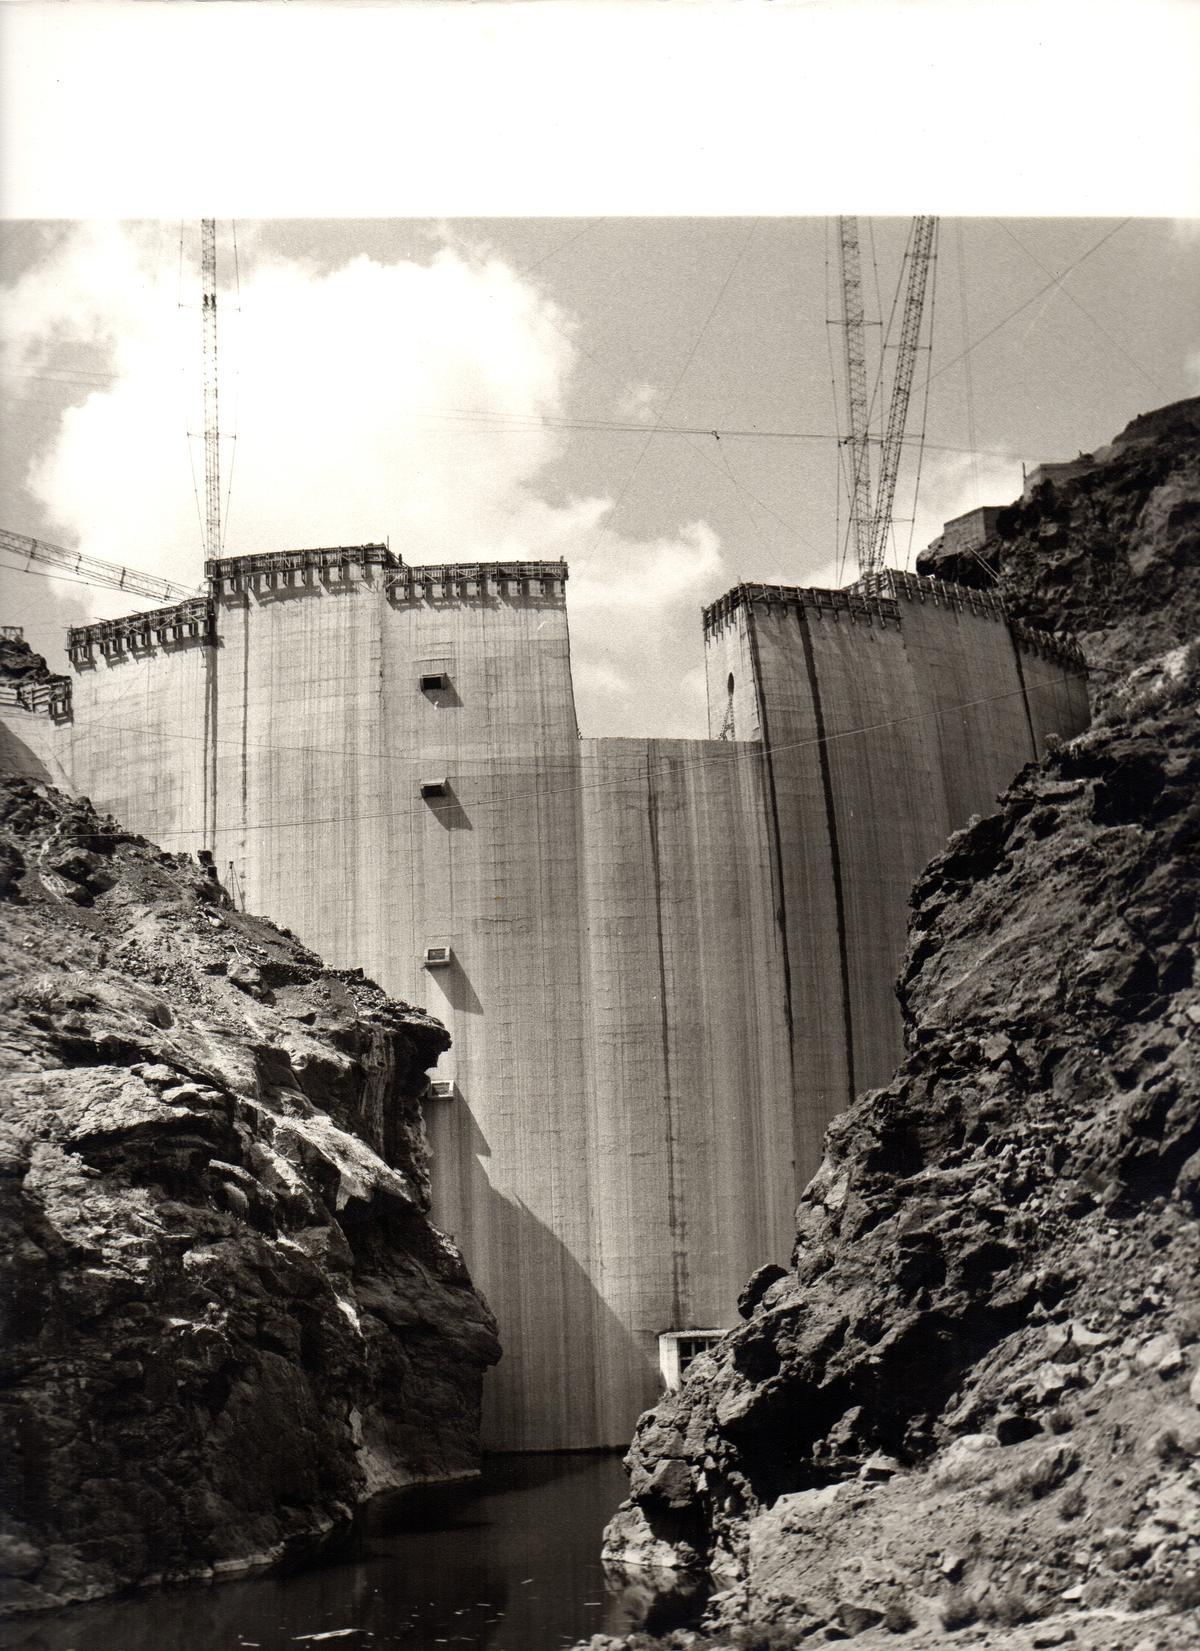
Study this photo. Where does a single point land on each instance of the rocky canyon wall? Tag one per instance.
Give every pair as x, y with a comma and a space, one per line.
227, 1317
973, 1399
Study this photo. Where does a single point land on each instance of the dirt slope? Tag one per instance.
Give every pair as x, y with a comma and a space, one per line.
970, 1411
226, 1315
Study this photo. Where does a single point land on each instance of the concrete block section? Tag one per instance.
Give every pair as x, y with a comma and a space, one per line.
889, 714
966, 675
689, 1062
1054, 685
141, 738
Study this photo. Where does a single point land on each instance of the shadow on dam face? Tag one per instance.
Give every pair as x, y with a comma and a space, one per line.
449, 812
571, 1375
443, 697
17, 758
457, 990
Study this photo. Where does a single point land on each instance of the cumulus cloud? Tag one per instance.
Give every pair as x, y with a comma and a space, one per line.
951, 485
638, 403
403, 400
635, 607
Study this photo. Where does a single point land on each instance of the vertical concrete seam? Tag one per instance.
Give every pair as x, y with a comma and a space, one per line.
245, 728
1016, 648
208, 812
570, 672
675, 1222
378, 736
779, 887
768, 770
599, 1387
835, 855
212, 665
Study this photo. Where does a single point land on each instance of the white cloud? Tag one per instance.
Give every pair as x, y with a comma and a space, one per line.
638, 402
635, 619
832, 574
402, 400
950, 486
597, 678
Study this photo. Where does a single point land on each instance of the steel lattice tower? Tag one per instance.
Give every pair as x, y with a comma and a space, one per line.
212, 445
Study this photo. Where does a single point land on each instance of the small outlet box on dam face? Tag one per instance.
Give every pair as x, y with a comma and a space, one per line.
437, 957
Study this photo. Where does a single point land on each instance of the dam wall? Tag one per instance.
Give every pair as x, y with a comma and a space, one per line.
1057, 700
664, 964
142, 725
688, 1061
415, 786
890, 713
29, 738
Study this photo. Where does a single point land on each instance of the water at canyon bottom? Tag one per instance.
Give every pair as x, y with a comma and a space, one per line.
510, 1562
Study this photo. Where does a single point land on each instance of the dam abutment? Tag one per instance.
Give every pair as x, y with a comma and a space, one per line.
665, 964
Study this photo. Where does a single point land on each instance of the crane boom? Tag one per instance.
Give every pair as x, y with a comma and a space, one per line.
212, 444
854, 338
920, 255
89, 570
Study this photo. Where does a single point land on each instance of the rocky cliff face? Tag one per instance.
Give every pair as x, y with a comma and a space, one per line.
227, 1318
973, 1400
1109, 557
19, 663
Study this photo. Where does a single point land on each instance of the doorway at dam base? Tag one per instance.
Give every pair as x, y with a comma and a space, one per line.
508, 1562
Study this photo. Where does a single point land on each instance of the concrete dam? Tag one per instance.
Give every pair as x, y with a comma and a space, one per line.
665, 964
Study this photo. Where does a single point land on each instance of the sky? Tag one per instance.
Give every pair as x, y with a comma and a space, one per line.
657, 401
557, 280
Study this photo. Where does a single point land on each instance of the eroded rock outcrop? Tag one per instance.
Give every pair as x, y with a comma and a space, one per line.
19, 662
227, 1318
973, 1401
1111, 556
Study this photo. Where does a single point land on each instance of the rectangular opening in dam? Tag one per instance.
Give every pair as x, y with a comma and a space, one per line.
677, 1349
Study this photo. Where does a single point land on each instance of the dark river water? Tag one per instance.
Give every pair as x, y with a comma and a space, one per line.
507, 1563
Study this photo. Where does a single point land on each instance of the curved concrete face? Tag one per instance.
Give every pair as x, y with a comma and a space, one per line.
142, 729
688, 1057
1057, 699
889, 715
665, 964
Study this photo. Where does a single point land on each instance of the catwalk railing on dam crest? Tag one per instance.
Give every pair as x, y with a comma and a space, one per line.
194, 620
49, 694
139, 633
350, 564
869, 607
875, 599
872, 600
